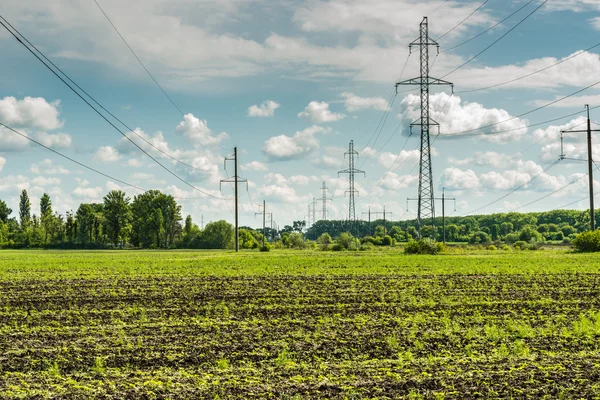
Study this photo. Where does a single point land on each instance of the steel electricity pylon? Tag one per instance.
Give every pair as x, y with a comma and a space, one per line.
324, 199
426, 196
351, 171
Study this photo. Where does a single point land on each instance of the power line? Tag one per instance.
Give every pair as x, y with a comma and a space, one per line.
550, 166
437, 8
532, 73
525, 113
97, 103
97, 111
549, 194
71, 159
152, 77
495, 41
387, 114
467, 17
488, 29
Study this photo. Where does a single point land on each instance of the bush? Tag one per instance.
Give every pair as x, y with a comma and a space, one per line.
366, 247
386, 241
506, 247
511, 238
338, 247
587, 241
265, 248
566, 241
491, 247
324, 241
423, 246
480, 237
520, 244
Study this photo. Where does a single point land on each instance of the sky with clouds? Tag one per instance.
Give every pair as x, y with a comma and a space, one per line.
290, 83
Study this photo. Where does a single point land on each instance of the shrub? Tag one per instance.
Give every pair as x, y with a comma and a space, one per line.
386, 241
265, 248
491, 247
338, 247
324, 241
505, 247
520, 244
366, 247
566, 241
480, 237
511, 238
587, 241
423, 246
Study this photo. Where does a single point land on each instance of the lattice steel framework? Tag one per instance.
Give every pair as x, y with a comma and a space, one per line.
351, 171
324, 199
426, 197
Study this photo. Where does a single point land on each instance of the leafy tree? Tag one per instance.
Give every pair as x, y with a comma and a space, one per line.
529, 233
4, 212
325, 241
24, 209
46, 215
298, 226
480, 237
217, 235
379, 231
247, 240
506, 228
117, 212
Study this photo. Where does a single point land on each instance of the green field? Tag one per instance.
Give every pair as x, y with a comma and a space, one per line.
285, 324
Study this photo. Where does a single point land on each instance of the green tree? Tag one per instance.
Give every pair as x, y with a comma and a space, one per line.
24, 210
4, 212
217, 235
247, 240
325, 241
46, 215
117, 214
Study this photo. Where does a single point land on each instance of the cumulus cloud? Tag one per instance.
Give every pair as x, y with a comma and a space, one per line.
10, 141
107, 154
485, 158
355, 103
254, 166
31, 112
393, 181
389, 160
2, 163
45, 181
301, 144
88, 193
134, 162
265, 109
458, 179
14, 184
57, 140
303, 180
319, 112
331, 157
198, 133
47, 167
456, 116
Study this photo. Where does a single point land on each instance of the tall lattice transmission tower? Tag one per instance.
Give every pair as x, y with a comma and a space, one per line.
426, 197
324, 199
351, 171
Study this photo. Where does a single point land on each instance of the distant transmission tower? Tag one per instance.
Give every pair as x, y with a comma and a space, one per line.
324, 199
351, 171
426, 197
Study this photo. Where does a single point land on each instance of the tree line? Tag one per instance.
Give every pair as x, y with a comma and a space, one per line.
154, 220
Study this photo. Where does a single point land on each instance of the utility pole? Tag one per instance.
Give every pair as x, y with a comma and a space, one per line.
324, 199
264, 214
443, 199
385, 214
351, 171
235, 179
314, 210
369, 213
426, 198
590, 161
271, 231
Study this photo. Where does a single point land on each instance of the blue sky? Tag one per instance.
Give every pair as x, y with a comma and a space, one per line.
290, 83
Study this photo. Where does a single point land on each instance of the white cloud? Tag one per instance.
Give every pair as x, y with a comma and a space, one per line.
57, 140
457, 179
389, 160
319, 112
107, 154
2, 163
355, 103
571, 102
331, 157
491, 158
14, 183
88, 193
506, 180
254, 166
10, 141
303, 180
44, 181
31, 112
198, 133
47, 167
455, 116
266, 109
596, 23
134, 162
393, 181
284, 147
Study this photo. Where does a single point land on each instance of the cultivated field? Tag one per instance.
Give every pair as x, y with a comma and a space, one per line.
299, 325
